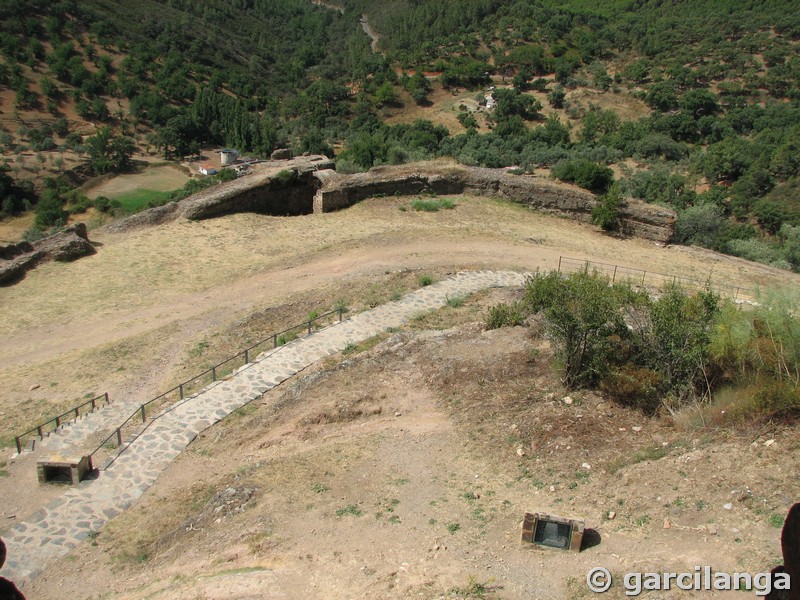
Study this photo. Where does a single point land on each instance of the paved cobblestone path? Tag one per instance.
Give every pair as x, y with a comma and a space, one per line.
80, 510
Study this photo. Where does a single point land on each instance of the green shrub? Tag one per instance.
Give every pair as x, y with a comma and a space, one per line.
425, 280
634, 386
505, 315
777, 399
33, 234
425, 205
606, 213
455, 301
432, 205
759, 251
50, 211
102, 204
581, 312
701, 225
585, 173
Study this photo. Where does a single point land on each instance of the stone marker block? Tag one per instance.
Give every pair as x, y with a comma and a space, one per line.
62, 469
543, 529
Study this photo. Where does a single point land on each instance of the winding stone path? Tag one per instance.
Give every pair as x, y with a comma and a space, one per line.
66, 521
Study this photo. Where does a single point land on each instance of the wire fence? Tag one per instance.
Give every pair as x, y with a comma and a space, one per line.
53, 424
642, 277
129, 429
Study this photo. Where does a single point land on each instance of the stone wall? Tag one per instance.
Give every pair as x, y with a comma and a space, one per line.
309, 183
340, 191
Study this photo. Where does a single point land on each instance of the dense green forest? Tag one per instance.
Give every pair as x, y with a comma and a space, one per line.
720, 81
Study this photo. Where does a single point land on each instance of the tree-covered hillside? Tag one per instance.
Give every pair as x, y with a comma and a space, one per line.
720, 80
716, 86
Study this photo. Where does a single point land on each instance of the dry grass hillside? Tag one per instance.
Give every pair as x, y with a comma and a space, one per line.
400, 470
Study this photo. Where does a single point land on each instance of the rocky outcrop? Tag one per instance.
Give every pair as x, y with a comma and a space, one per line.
281, 154
146, 218
308, 184
68, 244
281, 188
340, 191
14, 250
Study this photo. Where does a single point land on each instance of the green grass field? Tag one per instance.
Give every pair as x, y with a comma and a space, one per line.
136, 200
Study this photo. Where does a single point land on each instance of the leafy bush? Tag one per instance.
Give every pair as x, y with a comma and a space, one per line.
659, 186
581, 312
642, 351
759, 251
700, 225
606, 213
50, 211
505, 315
634, 386
585, 173
432, 205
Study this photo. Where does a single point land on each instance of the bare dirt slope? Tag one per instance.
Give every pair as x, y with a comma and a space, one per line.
156, 305
78, 329
404, 471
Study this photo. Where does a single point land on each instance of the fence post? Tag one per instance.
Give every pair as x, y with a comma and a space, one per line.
246, 356
94, 404
144, 418
559, 264
106, 396
19, 447
274, 340
180, 388
119, 438
39, 431
309, 327
58, 422
614, 277
77, 411
736, 294
213, 373
643, 274
339, 310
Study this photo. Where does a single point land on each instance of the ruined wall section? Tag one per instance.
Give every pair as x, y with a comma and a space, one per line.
340, 191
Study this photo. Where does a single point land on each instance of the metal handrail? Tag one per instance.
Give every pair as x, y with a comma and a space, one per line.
75, 411
180, 388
